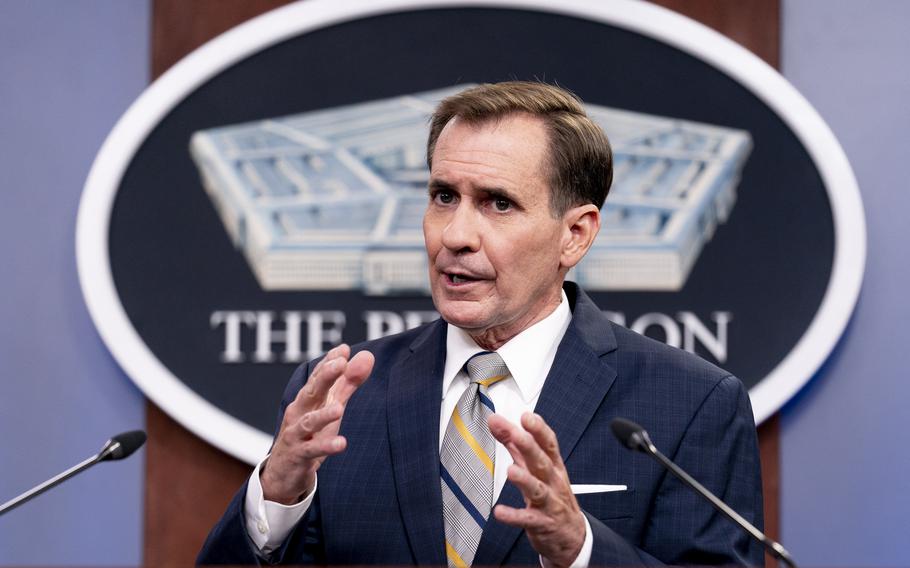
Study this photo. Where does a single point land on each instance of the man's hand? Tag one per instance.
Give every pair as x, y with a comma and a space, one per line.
309, 430
552, 518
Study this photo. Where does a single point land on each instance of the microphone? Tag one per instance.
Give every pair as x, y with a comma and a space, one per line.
122, 445
117, 448
634, 437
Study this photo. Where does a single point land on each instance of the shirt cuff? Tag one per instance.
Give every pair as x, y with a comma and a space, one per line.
268, 523
584, 555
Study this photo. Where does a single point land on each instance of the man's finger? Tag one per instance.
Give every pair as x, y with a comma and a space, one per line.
536, 460
517, 458
315, 391
543, 435
504, 432
355, 372
528, 519
315, 420
341, 350
318, 448
535, 492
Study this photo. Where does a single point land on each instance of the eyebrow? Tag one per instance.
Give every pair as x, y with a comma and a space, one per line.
439, 185
442, 185
499, 192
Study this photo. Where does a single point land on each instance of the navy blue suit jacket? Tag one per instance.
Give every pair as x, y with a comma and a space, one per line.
379, 502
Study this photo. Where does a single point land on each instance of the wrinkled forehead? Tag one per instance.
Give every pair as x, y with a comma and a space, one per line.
518, 135
513, 141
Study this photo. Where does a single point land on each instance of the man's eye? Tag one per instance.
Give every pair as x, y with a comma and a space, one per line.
502, 204
445, 197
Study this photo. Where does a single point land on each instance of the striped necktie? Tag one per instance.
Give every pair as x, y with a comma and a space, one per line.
467, 459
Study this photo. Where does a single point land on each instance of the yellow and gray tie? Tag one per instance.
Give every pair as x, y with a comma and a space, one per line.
467, 460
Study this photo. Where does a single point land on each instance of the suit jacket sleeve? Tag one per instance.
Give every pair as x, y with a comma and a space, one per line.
719, 449
228, 542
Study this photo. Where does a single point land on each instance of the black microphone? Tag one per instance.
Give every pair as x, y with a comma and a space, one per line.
117, 448
122, 445
636, 438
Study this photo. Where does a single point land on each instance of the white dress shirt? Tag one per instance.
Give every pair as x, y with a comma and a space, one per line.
529, 356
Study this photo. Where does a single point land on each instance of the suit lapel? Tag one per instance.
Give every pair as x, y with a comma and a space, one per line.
575, 387
414, 401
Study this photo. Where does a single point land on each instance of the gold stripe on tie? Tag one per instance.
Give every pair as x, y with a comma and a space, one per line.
469, 439
454, 559
491, 380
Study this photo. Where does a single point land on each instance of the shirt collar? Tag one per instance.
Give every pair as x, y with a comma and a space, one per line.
528, 355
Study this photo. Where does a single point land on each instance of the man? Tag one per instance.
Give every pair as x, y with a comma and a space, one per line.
402, 432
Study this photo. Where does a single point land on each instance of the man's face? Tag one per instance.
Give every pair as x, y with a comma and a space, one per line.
494, 248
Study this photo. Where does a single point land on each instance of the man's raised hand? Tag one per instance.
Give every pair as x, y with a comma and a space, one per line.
552, 518
309, 430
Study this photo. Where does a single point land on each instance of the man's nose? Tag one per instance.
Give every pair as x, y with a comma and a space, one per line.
462, 232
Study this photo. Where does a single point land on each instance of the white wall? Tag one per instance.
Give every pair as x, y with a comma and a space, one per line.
67, 72
845, 456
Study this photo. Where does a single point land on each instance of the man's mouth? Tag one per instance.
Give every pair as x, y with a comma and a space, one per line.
460, 278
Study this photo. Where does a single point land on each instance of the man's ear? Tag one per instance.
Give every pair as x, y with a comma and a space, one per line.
581, 225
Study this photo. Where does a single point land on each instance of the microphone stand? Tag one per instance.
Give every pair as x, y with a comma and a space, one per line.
52, 482
116, 448
774, 547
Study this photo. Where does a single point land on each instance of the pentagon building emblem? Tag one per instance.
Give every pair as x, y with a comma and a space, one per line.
323, 209
334, 198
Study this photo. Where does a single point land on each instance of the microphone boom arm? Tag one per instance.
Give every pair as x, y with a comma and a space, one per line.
635, 437
117, 448
52, 482
773, 546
